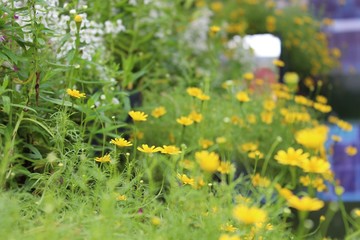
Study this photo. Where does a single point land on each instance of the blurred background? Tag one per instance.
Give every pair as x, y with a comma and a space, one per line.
341, 24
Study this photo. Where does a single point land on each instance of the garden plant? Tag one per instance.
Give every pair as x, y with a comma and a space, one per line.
143, 119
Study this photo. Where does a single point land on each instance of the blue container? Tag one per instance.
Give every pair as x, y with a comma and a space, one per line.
346, 168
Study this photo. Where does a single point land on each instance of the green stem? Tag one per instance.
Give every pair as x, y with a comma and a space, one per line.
9, 151
269, 154
344, 215
301, 231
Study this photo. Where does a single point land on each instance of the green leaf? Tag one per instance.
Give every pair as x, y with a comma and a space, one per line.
59, 102
41, 41
23, 107
6, 104
111, 128
35, 153
40, 124
14, 58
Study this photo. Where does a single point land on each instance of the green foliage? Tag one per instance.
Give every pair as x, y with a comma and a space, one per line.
69, 76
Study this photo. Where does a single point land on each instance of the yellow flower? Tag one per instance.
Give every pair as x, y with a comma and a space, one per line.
351, 151
271, 27
267, 117
344, 125
309, 83
336, 138
250, 146
220, 140
138, 116
278, 63
75, 93
121, 198
303, 100
185, 179
322, 107
259, 181
214, 29
225, 167
216, 6
236, 120
339, 190
336, 52
170, 150
328, 21
305, 203
315, 165
251, 118
284, 192
199, 183
291, 79
229, 237
248, 76
205, 143
194, 91
305, 180
259, 81
255, 154
249, 215
312, 137
269, 105
146, 149
158, 112
203, 97
200, 3
292, 157
319, 184
208, 161
228, 227
185, 121
356, 212
321, 99
196, 117
103, 159
155, 221
78, 19
242, 96
121, 142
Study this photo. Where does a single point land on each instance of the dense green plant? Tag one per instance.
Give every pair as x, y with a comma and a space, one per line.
79, 85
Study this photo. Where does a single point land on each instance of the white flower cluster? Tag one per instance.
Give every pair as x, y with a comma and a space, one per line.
196, 34
91, 33
240, 48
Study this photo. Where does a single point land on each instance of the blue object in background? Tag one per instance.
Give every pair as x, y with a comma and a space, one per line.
346, 168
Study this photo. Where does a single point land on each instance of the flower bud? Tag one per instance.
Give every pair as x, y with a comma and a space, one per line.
78, 19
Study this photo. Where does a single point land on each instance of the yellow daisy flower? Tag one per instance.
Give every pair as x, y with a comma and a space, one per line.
208, 161
185, 179
291, 157
249, 215
351, 150
170, 150
103, 159
305, 203
158, 112
121, 142
185, 121
242, 96
146, 149
138, 116
75, 93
